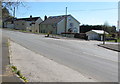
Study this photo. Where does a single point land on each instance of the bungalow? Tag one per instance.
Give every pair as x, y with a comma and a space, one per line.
29, 24
56, 24
95, 34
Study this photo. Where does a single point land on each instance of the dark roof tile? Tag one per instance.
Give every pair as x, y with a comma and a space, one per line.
28, 19
54, 19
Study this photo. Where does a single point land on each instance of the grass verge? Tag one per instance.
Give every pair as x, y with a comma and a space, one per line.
118, 40
18, 72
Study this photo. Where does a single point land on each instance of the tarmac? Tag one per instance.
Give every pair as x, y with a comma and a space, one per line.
7, 75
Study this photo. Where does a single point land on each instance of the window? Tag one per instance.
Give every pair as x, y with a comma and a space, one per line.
75, 30
71, 25
69, 19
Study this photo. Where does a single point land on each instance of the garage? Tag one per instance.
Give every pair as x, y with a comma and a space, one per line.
95, 34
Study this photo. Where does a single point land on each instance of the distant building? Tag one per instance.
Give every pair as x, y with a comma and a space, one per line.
56, 24
95, 34
28, 24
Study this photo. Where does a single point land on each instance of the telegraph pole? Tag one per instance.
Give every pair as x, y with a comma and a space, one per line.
65, 21
14, 17
104, 35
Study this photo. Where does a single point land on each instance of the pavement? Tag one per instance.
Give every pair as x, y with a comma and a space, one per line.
83, 56
7, 74
114, 47
38, 68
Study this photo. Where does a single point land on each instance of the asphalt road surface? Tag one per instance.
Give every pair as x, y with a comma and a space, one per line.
84, 56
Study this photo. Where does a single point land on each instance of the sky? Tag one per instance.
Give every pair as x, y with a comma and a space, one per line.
91, 13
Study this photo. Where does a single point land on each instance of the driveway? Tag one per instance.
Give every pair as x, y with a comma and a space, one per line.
83, 56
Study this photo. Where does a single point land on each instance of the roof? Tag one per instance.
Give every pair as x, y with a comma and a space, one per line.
9, 19
99, 31
54, 19
28, 19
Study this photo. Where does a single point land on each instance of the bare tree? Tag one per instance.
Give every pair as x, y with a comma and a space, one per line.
10, 5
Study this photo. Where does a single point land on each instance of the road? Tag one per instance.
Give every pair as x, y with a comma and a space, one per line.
83, 56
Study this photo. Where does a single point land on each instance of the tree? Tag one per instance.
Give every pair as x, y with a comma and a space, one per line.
10, 6
5, 13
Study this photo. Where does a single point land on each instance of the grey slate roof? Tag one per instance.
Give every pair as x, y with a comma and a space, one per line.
28, 19
54, 19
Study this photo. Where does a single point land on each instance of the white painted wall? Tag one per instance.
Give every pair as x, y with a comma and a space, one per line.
70, 19
92, 35
76, 24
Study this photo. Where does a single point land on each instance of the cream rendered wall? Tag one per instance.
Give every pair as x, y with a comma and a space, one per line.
61, 27
37, 25
28, 26
19, 25
45, 28
23, 25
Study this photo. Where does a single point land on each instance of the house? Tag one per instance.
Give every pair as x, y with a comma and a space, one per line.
29, 24
95, 34
8, 23
56, 24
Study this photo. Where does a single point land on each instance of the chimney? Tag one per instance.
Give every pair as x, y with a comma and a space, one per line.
45, 17
30, 16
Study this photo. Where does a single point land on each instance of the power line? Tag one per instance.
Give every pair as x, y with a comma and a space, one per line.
96, 9
80, 10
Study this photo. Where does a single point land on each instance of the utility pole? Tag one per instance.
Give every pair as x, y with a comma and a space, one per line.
65, 21
14, 17
104, 35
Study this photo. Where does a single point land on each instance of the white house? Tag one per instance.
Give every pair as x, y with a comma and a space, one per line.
95, 34
28, 24
56, 24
